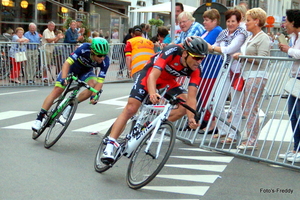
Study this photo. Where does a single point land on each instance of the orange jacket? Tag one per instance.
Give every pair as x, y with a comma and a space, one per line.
140, 49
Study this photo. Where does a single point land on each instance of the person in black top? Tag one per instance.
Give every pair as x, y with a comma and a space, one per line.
122, 58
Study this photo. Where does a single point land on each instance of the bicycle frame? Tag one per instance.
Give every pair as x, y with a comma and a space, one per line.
133, 141
62, 99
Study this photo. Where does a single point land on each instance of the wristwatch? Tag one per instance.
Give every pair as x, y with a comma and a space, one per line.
213, 48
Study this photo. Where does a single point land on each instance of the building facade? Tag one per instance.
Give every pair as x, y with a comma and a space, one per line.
110, 15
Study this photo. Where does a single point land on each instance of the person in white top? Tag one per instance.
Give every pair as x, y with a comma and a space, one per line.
229, 42
292, 26
254, 72
48, 40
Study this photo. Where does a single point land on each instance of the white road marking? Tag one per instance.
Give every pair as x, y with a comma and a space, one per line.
274, 130
27, 125
115, 101
195, 149
23, 91
213, 168
225, 159
12, 113
194, 178
101, 127
192, 190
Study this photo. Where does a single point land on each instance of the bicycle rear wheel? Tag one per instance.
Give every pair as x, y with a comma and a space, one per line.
144, 166
60, 124
98, 164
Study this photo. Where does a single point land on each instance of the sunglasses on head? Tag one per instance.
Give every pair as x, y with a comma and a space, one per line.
196, 57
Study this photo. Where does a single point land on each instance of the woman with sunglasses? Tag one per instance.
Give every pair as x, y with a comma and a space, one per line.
81, 63
163, 69
229, 42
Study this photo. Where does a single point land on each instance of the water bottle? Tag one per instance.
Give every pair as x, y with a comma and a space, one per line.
62, 103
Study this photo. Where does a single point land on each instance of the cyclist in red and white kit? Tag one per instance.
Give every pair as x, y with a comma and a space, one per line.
162, 69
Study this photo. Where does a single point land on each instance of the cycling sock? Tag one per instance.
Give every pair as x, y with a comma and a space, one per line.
110, 144
41, 115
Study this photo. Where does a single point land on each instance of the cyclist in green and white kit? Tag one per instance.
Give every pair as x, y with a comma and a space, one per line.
81, 63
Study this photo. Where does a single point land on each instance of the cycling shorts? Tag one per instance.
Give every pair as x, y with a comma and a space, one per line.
86, 76
139, 90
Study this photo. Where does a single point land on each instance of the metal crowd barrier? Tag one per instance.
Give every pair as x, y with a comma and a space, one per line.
269, 123
45, 62
211, 67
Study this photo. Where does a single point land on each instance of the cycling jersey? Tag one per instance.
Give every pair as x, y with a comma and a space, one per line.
82, 65
168, 61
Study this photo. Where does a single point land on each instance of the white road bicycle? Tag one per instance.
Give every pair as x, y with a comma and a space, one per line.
147, 139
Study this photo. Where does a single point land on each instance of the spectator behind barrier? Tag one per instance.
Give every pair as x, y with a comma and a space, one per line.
292, 26
15, 48
188, 26
229, 42
32, 53
178, 9
255, 75
212, 63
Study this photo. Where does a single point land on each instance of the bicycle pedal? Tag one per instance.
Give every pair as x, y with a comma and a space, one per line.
107, 162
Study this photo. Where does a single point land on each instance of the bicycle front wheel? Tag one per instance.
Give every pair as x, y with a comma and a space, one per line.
36, 134
146, 164
60, 123
98, 164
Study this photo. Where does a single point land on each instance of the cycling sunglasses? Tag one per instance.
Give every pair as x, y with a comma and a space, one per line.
196, 57
99, 55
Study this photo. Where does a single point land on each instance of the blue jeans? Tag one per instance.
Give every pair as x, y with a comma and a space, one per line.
294, 112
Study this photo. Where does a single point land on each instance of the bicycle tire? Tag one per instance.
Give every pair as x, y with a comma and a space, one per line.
45, 124
36, 134
141, 170
59, 125
98, 164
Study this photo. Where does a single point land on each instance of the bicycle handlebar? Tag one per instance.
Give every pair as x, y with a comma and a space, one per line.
176, 100
84, 84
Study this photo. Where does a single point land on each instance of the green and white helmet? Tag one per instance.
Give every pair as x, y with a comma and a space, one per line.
100, 46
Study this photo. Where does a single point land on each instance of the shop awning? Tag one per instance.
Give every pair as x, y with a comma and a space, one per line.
111, 10
162, 8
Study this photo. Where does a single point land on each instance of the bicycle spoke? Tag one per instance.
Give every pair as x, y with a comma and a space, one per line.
145, 165
98, 165
59, 125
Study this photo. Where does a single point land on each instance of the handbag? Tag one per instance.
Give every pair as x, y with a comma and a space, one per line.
20, 56
238, 81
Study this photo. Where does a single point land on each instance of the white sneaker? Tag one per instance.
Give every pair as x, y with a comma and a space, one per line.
286, 155
66, 112
36, 126
295, 158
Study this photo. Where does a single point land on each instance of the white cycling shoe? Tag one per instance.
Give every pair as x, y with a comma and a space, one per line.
36, 126
108, 158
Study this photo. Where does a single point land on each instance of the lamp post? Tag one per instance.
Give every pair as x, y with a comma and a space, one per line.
24, 4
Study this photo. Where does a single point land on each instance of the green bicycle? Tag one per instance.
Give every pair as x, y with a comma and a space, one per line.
62, 111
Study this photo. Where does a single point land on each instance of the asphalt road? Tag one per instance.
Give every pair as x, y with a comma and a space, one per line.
65, 171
